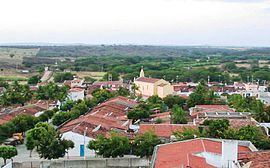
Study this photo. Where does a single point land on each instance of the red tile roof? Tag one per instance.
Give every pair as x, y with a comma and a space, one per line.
238, 123
234, 123
107, 116
108, 83
179, 154
164, 114
213, 106
76, 90
25, 110
147, 80
259, 159
92, 122
164, 130
4, 118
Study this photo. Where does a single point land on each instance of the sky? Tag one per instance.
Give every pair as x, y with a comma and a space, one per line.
150, 22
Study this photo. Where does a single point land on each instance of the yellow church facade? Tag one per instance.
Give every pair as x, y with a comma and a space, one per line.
152, 86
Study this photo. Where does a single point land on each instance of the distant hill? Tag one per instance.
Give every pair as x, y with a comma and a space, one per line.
146, 51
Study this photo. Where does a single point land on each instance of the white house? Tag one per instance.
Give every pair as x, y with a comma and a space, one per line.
76, 94
80, 144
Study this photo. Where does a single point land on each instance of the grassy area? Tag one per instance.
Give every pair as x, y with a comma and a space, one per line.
13, 78
95, 75
14, 56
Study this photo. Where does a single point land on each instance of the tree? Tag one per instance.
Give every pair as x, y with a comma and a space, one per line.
11, 55
101, 95
31, 143
139, 112
217, 128
154, 99
115, 146
24, 122
144, 144
4, 84
46, 115
113, 75
7, 152
123, 91
197, 97
60, 117
47, 141
61, 77
34, 80
253, 134
81, 107
16, 94
67, 106
202, 95
188, 133
179, 116
134, 88
6, 131
68, 144
172, 100
51, 91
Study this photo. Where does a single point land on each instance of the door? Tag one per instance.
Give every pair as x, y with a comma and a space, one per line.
81, 150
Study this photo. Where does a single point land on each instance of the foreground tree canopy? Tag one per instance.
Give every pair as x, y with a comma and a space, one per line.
51, 91
7, 152
115, 146
15, 94
47, 141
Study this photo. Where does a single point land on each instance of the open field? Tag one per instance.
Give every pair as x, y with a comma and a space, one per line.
96, 75
14, 56
12, 78
11, 74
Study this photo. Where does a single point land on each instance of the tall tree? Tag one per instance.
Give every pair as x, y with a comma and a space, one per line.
47, 141
24, 122
217, 128
144, 144
7, 152
179, 116
51, 91
115, 146
101, 95
16, 94
172, 100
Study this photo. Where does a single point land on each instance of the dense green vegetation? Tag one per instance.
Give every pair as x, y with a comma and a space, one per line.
7, 152
170, 62
221, 129
15, 94
47, 141
118, 145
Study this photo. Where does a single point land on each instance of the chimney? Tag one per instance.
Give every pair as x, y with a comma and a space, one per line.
229, 153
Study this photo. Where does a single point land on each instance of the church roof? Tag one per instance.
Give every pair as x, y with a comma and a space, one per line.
147, 80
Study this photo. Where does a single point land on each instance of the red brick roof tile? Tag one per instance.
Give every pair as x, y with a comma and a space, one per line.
259, 159
178, 154
164, 130
147, 80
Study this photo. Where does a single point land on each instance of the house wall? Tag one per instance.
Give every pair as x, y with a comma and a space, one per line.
78, 140
76, 95
145, 89
150, 89
165, 90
